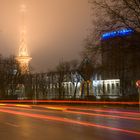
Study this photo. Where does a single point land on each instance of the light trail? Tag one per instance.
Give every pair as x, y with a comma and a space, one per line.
52, 118
64, 109
2, 104
56, 108
69, 101
80, 113
95, 110
16, 105
109, 111
102, 115
117, 112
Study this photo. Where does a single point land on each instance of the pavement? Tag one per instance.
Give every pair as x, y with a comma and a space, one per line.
59, 122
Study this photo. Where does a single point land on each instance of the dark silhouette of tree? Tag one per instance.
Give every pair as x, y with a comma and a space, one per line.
86, 71
62, 69
10, 76
115, 14
122, 52
64, 72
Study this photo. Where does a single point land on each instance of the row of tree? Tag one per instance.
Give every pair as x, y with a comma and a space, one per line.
10, 76
107, 15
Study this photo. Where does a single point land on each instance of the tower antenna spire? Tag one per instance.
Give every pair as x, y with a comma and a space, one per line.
23, 56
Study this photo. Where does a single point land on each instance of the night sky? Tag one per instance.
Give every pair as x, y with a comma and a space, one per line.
55, 29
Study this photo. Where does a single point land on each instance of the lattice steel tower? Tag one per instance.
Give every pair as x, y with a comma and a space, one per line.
23, 56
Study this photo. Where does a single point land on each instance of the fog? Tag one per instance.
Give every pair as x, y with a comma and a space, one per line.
55, 29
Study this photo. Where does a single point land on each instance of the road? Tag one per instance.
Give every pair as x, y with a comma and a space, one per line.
67, 123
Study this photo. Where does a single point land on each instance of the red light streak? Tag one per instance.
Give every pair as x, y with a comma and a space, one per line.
68, 101
116, 112
85, 113
97, 110
107, 111
102, 115
63, 108
52, 118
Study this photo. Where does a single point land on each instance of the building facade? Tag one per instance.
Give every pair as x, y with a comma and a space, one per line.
120, 59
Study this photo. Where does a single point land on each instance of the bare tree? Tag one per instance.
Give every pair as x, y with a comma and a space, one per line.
62, 70
109, 15
10, 76
116, 14
92, 49
86, 71
112, 15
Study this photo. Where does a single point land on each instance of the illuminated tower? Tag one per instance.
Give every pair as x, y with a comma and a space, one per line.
23, 56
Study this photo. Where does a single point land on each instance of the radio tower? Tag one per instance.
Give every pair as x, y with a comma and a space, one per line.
23, 56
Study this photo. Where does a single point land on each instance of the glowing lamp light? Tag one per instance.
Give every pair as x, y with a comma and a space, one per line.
117, 33
138, 83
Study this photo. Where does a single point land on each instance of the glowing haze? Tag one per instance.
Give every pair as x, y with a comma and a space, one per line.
55, 29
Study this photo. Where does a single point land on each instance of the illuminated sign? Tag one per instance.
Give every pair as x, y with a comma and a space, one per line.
117, 33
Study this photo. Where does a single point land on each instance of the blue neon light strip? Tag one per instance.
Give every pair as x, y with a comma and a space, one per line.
117, 33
